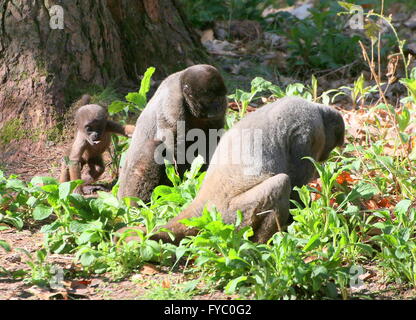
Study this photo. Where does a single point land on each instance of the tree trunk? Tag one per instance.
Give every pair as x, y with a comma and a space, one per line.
43, 70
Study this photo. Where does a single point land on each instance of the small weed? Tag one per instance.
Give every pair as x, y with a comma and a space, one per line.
12, 130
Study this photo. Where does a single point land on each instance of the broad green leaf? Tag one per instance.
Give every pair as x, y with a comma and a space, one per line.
87, 258
77, 227
403, 206
42, 181
136, 99
313, 243
146, 253
146, 82
116, 107
15, 184
196, 166
180, 251
403, 119
42, 212
232, 285
66, 188
5, 246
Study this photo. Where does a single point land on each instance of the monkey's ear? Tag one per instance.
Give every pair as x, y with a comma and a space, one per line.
187, 90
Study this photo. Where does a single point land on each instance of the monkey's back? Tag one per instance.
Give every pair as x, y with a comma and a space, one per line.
165, 101
269, 132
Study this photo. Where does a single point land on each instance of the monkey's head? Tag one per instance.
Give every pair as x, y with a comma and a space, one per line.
334, 130
91, 120
85, 99
204, 91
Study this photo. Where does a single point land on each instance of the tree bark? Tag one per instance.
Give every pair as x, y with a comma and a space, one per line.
44, 70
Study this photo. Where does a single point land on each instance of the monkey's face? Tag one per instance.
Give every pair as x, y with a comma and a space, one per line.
92, 121
94, 131
334, 132
204, 92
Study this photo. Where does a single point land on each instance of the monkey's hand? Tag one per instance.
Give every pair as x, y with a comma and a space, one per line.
117, 128
129, 129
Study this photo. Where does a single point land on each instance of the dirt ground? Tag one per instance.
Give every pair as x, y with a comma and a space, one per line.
46, 162
148, 283
140, 285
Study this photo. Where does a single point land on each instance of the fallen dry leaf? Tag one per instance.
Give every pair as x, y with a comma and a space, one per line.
81, 284
384, 203
370, 204
310, 259
344, 177
166, 284
149, 269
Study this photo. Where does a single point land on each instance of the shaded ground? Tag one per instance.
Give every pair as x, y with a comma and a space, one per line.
151, 282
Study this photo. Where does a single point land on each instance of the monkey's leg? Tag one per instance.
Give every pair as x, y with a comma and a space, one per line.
74, 169
76, 161
64, 176
270, 195
96, 168
265, 206
143, 173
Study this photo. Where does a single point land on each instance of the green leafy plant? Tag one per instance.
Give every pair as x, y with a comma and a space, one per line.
398, 242
318, 41
358, 92
135, 101
41, 272
5, 245
183, 291
243, 98
15, 201
96, 253
410, 84
276, 270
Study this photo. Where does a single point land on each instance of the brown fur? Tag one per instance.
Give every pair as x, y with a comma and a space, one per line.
196, 97
92, 138
291, 129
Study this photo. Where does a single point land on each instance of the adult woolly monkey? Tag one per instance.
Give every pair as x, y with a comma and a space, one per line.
259, 161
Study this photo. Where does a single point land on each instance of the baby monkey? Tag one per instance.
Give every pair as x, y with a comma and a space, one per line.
92, 138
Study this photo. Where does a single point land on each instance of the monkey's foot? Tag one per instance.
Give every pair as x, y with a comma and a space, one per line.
91, 189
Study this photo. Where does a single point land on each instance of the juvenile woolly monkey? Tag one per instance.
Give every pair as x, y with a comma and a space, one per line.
92, 138
259, 161
194, 98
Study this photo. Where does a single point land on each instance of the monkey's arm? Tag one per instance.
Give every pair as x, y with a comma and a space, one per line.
75, 157
117, 128
144, 172
265, 206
